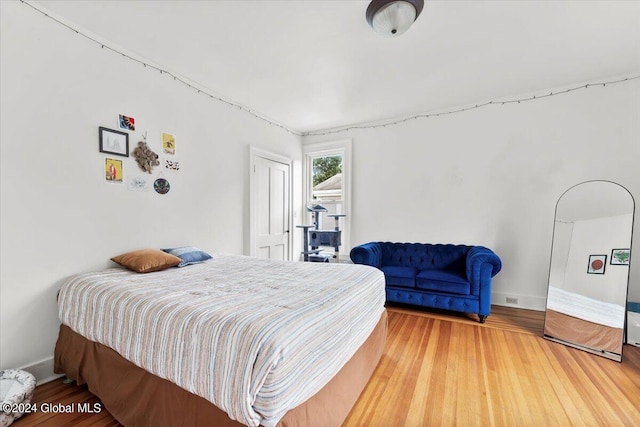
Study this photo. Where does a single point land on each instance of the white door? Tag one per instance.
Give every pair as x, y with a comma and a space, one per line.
271, 207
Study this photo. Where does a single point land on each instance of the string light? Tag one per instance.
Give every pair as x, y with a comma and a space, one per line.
163, 71
460, 110
340, 129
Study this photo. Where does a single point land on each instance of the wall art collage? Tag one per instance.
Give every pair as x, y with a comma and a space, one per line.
149, 173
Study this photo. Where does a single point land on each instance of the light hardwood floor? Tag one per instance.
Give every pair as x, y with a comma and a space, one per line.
443, 368
451, 370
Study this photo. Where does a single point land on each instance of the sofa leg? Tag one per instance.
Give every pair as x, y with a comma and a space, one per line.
482, 317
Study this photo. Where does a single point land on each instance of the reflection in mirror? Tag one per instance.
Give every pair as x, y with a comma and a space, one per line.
587, 286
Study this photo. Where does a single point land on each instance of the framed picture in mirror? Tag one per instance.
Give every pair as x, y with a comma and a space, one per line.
597, 264
620, 257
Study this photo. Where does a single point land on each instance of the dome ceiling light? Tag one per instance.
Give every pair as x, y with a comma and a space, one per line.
392, 18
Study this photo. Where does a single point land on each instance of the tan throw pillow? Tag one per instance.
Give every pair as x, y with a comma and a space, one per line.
146, 260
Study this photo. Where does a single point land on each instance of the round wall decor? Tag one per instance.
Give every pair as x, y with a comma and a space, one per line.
161, 186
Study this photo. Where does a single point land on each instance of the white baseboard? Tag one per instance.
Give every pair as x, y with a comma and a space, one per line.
42, 370
528, 302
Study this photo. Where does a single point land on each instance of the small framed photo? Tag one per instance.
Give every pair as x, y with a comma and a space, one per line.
113, 170
114, 142
126, 122
597, 264
620, 257
168, 143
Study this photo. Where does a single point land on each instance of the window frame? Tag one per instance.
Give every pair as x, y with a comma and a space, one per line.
324, 149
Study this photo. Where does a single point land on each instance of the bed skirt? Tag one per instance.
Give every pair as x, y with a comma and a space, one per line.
136, 397
582, 332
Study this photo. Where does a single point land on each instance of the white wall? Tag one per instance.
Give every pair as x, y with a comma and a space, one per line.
491, 176
560, 252
58, 216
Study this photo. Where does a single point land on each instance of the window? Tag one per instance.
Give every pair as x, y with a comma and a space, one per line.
327, 174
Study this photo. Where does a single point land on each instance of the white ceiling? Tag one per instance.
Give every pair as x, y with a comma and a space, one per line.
313, 65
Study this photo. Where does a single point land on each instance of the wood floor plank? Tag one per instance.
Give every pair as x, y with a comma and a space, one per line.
447, 369
522, 379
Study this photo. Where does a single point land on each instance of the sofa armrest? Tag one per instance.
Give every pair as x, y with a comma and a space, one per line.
476, 257
367, 254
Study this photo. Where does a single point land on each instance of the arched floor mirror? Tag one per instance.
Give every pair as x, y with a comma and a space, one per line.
589, 271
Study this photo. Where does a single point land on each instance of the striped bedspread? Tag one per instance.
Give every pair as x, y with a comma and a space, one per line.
255, 337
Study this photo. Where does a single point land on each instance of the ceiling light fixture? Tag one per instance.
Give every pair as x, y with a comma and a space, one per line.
392, 18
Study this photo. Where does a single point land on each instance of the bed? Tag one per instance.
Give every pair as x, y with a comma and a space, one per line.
232, 341
584, 321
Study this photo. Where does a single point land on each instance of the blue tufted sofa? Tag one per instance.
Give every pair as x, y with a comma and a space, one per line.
451, 277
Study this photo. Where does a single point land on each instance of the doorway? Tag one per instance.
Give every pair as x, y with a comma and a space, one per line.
270, 205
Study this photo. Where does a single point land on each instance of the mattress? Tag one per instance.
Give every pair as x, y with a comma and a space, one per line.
136, 397
254, 337
583, 307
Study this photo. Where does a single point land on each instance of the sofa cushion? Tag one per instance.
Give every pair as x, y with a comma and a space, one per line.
424, 256
443, 281
400, 276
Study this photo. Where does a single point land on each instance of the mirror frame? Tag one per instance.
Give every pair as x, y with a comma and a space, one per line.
609, 355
